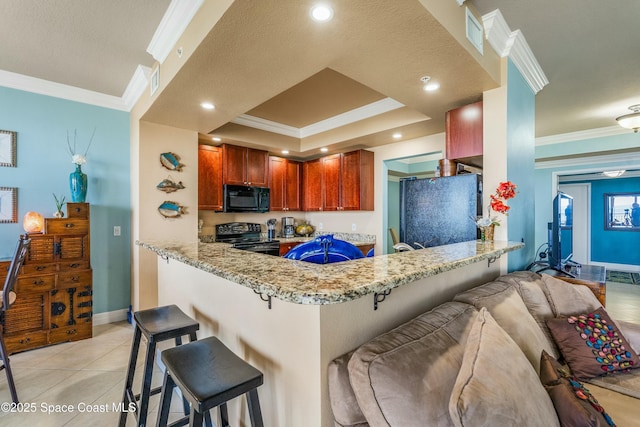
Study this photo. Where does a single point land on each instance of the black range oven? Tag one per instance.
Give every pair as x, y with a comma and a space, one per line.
246, 236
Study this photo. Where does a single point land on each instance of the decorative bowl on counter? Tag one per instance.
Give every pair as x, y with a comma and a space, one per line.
304, 229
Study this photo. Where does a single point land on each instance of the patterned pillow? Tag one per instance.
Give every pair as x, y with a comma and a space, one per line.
575, 405
592, 344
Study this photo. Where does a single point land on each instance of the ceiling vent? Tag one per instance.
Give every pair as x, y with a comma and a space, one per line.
474, 31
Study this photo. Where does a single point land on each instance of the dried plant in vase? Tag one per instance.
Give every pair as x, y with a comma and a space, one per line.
59, 213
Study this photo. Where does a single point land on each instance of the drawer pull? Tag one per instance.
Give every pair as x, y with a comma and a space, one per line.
71, 332
25, 341
74, 265
69, 225
38, 282
75, 279
40, 267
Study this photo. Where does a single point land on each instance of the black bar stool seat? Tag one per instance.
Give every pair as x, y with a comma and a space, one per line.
208, 375
156, 324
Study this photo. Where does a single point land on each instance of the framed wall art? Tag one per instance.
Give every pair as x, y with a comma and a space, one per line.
7, 148
8, 204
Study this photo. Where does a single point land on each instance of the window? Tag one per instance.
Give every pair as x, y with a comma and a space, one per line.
622, 211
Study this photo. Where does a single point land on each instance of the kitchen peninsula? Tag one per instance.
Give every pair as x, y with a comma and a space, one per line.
291, 318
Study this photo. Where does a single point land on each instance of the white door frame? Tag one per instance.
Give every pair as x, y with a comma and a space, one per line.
581, 234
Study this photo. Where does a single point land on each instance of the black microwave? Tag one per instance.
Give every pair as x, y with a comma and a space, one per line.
240, 198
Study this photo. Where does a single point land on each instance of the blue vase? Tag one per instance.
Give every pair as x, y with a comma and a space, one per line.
78, 185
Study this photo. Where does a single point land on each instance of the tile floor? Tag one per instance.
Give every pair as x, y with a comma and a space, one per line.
90, 374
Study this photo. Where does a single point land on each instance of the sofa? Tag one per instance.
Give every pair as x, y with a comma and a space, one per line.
483, 359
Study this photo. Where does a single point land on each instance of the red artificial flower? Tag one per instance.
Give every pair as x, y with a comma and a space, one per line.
498, 205
506, 190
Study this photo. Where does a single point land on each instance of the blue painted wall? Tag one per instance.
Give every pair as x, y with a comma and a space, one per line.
43, 168
617, 247
521, 166
393, 211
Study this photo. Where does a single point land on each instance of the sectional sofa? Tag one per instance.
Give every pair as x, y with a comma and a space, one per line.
488, 358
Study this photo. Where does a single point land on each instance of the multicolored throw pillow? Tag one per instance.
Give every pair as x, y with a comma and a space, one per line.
574, 404
592, 344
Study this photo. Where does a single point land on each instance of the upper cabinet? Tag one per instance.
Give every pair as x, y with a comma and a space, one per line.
209, 178
285, 179
339, 182
464, 134
245, 166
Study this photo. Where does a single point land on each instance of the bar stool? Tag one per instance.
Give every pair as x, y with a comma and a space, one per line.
157, 324
208, 375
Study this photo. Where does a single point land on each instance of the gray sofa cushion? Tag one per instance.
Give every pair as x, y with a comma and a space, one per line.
567, 299
346, 411
496, 386
507, 308
405, 377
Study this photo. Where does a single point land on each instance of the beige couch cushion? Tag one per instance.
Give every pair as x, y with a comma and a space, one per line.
507, 308
344, 405
496, 386
567, 299
404, 377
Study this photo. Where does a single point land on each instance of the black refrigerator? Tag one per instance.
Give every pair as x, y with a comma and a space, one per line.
440, 211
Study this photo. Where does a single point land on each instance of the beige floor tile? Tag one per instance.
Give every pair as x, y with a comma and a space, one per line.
30, 383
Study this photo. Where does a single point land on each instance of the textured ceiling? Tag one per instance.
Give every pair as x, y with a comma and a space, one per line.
588, 50
90, 44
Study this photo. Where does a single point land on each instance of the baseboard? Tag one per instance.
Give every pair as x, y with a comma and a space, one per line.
110, 317
618, 267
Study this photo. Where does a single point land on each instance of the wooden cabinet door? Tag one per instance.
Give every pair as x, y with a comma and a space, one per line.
312, 184
209, 178
350, 184
464, 132
277, 171
331, 182
234, 165
257, 168
293, 179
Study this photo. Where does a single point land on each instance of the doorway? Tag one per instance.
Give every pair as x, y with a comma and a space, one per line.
581, 194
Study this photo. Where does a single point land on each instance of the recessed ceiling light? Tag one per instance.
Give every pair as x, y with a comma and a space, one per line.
285, 151
613, 174
324, 149
217, 139
321, 13
207, 106
397, 135
429, 85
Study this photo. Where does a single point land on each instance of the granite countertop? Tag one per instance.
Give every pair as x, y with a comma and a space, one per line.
302, 282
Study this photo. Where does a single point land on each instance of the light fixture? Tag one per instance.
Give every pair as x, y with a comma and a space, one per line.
285, 151
324, 149
207, 106
397, 135
321, 13
33, 222
632, 120
428, 85
216, 139
613, 174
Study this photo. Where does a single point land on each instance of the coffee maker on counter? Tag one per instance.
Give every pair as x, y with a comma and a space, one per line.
288, 228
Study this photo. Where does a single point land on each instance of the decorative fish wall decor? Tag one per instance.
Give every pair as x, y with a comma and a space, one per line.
171, 161
169, 209
168, 185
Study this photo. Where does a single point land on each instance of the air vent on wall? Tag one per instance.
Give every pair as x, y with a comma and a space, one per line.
474, 31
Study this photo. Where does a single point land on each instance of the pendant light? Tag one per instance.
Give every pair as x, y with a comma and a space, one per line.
632, 120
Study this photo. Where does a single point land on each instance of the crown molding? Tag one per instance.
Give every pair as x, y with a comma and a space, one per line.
514, 45
136, 86
266, 125
627, 158
175, 20
355, 115
58, 90
582, 135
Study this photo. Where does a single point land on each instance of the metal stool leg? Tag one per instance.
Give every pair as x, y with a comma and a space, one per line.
254, 408
165, 399
143, 407
224, 415
7, 368
128, 396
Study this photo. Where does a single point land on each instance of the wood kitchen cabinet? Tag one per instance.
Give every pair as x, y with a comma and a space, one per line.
209, 177
340, 182
244, 166
285, 180
54, 291
464, 134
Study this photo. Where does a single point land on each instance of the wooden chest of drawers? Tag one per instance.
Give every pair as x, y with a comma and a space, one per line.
54, 300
